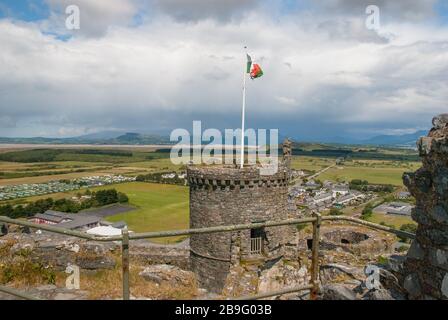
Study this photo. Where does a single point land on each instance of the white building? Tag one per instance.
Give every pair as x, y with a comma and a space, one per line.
349, 198
340, 190
323, 197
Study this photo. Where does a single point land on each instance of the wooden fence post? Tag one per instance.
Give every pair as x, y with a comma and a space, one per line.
315, 257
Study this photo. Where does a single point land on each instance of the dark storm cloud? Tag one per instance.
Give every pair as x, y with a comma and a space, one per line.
195, 10
405, 10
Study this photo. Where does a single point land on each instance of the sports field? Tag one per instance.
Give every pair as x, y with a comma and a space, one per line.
388, 219
159, 207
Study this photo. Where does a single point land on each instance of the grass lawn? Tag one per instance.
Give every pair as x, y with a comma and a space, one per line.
374, 171
160, 207
163, 164
394, 220
371, 174
310, 163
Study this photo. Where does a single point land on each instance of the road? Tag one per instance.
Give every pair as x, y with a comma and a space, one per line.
321, 171
316, 174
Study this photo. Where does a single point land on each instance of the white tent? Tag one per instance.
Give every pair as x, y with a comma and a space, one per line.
105, 231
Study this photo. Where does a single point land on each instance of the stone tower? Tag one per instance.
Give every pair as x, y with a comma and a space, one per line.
225, 195
426, 265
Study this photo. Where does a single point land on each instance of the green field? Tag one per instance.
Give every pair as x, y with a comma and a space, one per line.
394, 220
159, 207
372, 175
310, 163
42, 165
374, 171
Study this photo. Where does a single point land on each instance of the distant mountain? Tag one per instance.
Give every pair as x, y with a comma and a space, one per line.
396, 140
138, 138
35, 140
102, 135
100, 138
132, 138
404, 140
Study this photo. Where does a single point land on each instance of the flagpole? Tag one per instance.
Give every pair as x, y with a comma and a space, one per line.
243, 111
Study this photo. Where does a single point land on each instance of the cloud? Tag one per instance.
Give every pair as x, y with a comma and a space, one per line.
195, 10
405, 10
286, 101
7, 122
323, 76
96, 17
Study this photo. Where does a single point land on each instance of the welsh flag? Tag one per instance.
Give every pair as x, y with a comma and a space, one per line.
253, 69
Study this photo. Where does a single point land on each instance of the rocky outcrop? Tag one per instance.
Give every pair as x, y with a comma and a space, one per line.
145, 252
170, 275
359, 241
283, 275
250, 278
51, 292
426, 266
58, 251
337, 292
343, 282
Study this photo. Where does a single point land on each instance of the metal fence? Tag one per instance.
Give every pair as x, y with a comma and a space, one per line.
125, 238
256, 245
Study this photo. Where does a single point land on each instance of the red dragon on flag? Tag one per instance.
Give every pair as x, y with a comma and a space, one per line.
256, 71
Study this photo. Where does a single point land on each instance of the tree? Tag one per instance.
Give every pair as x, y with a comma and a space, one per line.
105, 197
122, 198
367, 212
66, 205
335, 212
99, 198
408, 227
6, 210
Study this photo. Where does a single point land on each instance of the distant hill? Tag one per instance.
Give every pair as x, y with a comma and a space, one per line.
404, 140
102, 135
396, 140
132, 138
100, 138
137, 138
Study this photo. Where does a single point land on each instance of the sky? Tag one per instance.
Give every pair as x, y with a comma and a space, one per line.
156, 65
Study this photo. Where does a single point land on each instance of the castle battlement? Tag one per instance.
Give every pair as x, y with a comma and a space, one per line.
229, 178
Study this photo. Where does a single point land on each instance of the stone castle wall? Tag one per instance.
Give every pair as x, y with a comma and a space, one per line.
221, 195
426, 266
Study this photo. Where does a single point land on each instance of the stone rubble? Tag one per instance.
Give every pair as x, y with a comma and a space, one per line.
171, 275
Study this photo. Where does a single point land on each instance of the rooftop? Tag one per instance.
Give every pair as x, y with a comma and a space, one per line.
79, 222
400, 208
54, 216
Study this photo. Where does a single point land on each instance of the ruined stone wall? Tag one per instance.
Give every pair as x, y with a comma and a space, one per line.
222, 195
145, 253
426, 266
